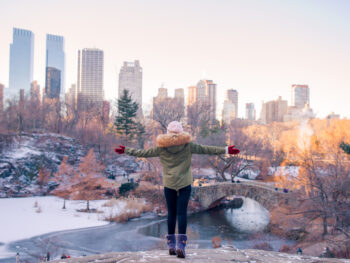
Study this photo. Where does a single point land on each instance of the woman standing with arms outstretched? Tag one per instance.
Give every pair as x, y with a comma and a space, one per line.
175, 150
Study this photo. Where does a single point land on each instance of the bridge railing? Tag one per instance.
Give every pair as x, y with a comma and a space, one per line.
262, 185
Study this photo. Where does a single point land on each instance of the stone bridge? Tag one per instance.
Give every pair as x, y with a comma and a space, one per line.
208, 196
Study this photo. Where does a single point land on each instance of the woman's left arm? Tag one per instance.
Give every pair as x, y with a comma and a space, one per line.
152, 152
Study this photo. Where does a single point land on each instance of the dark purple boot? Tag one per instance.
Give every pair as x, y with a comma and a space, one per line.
171, 244
181, 244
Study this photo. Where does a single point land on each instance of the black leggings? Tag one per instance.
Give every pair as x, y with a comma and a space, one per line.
177, 203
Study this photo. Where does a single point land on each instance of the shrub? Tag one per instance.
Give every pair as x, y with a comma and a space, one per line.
124, 188
216, 241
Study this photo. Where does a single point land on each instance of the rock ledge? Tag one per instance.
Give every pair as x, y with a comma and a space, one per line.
225, 254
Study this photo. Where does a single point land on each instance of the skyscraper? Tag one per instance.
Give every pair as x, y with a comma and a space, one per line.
130, 78
206, 93
52, 83
21, 61
180, 96
55, 58
162, 93
232, 95
300, 95
90, 78
250, 113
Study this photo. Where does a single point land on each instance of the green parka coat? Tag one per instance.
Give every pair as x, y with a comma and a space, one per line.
175, 152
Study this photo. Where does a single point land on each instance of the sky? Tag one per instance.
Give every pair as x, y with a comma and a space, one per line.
258, 47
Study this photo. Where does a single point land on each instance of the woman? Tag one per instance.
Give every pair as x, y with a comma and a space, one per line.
175, 150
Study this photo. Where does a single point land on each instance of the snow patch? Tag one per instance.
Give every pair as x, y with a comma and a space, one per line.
20, 219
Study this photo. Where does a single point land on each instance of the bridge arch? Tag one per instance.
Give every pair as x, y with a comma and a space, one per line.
209, 195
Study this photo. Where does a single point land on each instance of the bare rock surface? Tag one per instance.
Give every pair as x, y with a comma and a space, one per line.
226, 254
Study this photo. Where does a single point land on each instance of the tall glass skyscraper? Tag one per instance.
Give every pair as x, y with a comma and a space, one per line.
55, 58
21, 61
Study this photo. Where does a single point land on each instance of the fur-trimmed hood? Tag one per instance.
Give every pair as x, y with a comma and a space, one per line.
173, 139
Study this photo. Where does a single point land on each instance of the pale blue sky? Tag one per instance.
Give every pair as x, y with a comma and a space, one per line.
259, 47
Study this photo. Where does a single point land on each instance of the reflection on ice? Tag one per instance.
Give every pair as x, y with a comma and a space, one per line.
251, 217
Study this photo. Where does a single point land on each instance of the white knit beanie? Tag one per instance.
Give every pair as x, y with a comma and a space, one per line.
175, 127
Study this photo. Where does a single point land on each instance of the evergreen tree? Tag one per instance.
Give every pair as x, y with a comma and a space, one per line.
345, 147
125, 120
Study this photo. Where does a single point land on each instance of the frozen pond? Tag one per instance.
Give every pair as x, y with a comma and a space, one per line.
242, 228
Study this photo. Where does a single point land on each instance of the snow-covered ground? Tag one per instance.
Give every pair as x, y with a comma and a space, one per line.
23, 218
292, 171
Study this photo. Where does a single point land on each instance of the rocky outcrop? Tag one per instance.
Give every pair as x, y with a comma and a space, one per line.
227, 254
22, 155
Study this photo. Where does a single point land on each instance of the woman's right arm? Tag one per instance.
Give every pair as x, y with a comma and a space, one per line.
152, 152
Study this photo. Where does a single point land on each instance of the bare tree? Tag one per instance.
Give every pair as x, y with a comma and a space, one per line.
91, 182
250, 148
167, 110
198, 114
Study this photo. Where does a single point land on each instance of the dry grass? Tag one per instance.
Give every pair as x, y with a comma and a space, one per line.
111, 203
146, 186
133, 208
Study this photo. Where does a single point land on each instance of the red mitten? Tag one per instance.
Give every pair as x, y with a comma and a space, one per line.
120, 150
233, 150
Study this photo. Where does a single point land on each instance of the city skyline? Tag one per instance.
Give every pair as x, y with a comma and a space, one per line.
247, 49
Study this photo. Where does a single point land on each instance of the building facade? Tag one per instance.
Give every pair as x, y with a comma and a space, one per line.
130, 78
250, 113
300, 96
179, 95
71, 97
192, 95
35, 92
55, 58
228, 112
21, 61
232, 96
206, 93
273, 111
90, 78
52, 83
